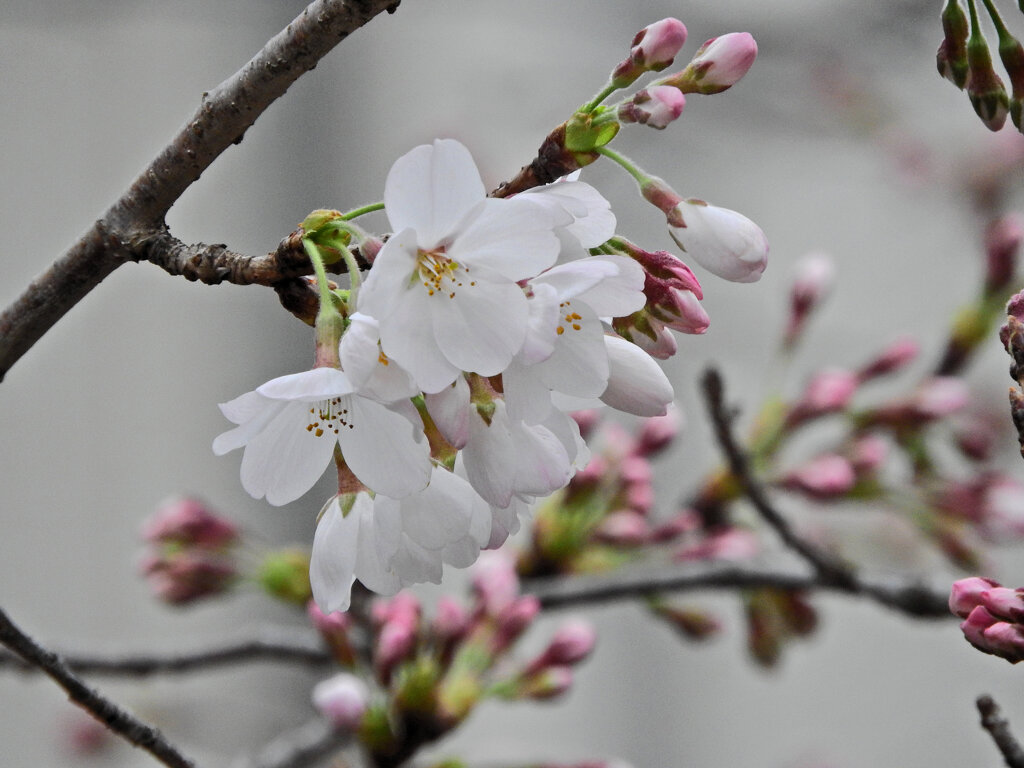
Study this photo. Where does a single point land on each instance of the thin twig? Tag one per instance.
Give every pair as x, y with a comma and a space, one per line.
992, 720
273, 646
905, 595
119, 721
126, 230
828, 568
298, 747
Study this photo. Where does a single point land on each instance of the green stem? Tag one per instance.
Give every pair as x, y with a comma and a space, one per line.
605, 92
976, 37
353, 276
355, 212
625, 162
321, 275
997, 21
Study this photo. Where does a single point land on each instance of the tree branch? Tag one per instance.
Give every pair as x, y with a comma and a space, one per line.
119, 721
904, 595
270, 646
126, 230
828, 568
299, 747
998, 728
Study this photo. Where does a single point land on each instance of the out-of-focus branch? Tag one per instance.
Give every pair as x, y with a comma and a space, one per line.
119, 721
998, 728
904, 595
129, 226
299, 747
270, 646
828, 568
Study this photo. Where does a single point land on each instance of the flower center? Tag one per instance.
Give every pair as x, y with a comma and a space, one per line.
441, 275
569, 319
327, 416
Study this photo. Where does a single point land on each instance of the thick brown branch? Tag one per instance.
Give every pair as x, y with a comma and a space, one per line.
303, 649
998, 728
223, 117
906, 596
827, 567
119, 721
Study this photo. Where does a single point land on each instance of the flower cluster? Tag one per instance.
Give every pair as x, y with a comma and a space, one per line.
445, 375
993, 616
418, 678
191, 552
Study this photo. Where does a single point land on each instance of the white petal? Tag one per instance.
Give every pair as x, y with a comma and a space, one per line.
450, 410
482, 327
541, 320
527, 397
333, 560
439, 514
431, 189
285, 460
242, 434
390, 277
245, 407
594, 222
407, 337
489, 457
571, 279
371, 569
311, 385
620, 295
542, 464
636, 384
370, 371
579, 364
514, 238
382, 450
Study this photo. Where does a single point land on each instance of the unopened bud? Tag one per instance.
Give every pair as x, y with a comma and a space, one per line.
985, 88
655, 107
815, 274
450, 620
893, 358
285, 575
179, 578
724, 242
572, 643
952, 56
343, 700
395, 643
515, 619
658, 432
978, 620
654, 48
189, 522
828, 391
1005, 603
549, 683
718, 64
1006, 640
495, 581
966, 594
1003, 237
824, 478
625, 528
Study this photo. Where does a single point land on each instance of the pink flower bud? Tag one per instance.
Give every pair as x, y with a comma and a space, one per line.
189, 522
658, 432
572, 643
495, 581
1003, 237
978, 620
183, 577
654, 48
625, 528
639, 497
1005, 640
395, 643
984, 87
655, 107
893, 358
1003, 508
724, 242
940, 396
826, 477
1004, 602
867, 454
828, 391
450, 620
403, 608
814, 278
343, 700
515, 618
966, 594
719, 64
733, 544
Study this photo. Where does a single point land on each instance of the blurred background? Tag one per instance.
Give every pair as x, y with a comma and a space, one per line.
842, 139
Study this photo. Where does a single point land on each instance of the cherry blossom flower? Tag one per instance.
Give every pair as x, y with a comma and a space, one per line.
290, 426
444, 287
724, 242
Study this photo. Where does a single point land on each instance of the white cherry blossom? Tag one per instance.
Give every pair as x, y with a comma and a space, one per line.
444, 287
290, 426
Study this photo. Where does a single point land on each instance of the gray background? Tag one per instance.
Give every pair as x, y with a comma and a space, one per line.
116, 407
